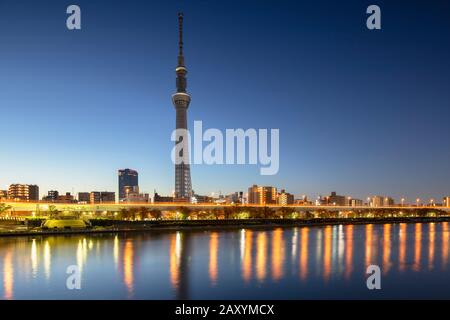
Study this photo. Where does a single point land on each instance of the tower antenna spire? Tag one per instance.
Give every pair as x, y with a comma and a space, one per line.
180, 39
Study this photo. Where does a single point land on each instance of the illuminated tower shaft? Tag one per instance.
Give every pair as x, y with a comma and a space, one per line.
181, 100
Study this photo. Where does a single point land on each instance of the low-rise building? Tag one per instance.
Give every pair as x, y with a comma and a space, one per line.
136, 197
336, 200
446, 202
355, 202
376, 201
159, 198
3, 194
285, 198
102, 197
51, 196
202, 199
381, 201
23, 192
66, 198
262, 195
388, 201
321, 201
235, 197
84, 197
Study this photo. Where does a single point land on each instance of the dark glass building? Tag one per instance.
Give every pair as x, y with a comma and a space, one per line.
128, 179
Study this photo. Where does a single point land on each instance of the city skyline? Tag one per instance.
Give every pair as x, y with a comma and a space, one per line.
328, 141
128, 192
185, 153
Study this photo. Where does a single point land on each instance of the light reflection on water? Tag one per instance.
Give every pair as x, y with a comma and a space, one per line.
128, 267
348, 251
386, 248
261, 256
213, 251
279, 263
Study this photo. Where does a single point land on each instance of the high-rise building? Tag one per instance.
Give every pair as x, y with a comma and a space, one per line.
128, 180
23, 192
130, 191
181, 100
285, 198
262, 195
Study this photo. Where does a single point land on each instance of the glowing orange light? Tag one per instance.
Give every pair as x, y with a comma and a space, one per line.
128, 266
277, 254
304, 253
417, 246
386, 248
327, 253
213, 250
349, 251
261, 256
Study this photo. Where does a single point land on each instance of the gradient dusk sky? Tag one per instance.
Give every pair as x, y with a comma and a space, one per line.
360, 112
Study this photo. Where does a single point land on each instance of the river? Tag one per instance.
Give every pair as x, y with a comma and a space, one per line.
279, 263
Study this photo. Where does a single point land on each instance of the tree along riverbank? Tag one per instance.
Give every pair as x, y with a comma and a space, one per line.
112, 226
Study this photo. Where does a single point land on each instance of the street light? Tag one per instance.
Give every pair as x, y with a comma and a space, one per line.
403, 201
417, 202
432, 202
368, 201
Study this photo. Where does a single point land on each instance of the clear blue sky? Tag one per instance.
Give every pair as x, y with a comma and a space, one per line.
360, 112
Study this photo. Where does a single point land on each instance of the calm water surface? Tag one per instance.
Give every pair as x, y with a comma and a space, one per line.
280, 263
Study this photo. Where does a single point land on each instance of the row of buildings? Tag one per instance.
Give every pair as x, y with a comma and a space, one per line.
128, 187
30, 192
262, 195
341, 200
83, 197
128, 192
21, 192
